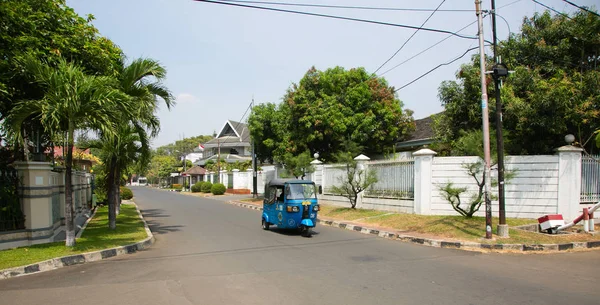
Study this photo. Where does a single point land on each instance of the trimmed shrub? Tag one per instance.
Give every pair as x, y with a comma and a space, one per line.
125, 193
217, 189
206, 187
177, 186
197, 187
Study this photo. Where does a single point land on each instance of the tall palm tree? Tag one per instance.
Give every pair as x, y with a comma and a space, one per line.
140, 81
71, 101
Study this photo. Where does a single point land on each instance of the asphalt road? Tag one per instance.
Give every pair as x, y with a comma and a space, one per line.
209, 252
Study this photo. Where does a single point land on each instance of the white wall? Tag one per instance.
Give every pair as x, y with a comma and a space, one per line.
532, 193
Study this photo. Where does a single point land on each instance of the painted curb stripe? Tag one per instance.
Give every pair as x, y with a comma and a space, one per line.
447, 244
83, 258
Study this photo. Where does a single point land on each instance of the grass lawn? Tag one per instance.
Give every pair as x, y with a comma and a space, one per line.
97, 236
450, 227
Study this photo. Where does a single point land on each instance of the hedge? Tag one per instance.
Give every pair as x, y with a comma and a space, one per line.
218, 189
206, 187
125, 193
197, 187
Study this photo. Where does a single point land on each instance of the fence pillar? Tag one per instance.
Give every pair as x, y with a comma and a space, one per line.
36, 194
361, 165
569, 181
423, 186
318, 173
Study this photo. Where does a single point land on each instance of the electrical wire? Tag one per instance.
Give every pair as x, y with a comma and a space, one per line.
552, 9
581, 7
349, 7
337, 17
411, 36
435, 68
427, 49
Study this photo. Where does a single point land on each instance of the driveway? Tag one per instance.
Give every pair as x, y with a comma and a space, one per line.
210, 252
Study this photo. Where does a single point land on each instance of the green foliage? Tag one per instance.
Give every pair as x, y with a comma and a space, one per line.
355, 181
100, 185
197, 187
182, 147
452, 194
125, 193
176, 186
553, 92
298, 166
50, 31
206, 187
327, 108
218, 189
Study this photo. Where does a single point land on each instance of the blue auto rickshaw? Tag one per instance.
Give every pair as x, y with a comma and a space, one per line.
290, 204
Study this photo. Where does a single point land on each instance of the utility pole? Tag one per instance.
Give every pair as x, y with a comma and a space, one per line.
502, 226
486, 124
218, 161
254, 166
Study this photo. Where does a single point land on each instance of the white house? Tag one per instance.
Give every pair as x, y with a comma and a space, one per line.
232, 144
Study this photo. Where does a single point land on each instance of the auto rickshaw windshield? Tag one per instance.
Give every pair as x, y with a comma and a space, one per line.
302, 191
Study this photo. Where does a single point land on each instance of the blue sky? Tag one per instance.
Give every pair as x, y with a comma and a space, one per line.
218, 57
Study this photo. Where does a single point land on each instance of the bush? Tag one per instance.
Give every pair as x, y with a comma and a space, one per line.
176, 186
206, 187
197, 187
218, 189
125, 193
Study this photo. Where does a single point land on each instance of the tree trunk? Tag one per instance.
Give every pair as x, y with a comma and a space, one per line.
69, 217
118, 191
112, 204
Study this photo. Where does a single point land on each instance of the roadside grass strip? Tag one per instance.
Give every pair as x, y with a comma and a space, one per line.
96, 236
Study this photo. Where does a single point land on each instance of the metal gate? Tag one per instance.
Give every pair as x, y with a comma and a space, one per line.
590, 179
11, 215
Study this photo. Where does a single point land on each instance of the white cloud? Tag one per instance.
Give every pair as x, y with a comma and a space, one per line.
186, 98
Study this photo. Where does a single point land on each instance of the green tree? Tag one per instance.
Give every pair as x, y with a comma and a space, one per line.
50, 31
553, 92
355, 181
327, 108
71, 101
140, 82
298, 166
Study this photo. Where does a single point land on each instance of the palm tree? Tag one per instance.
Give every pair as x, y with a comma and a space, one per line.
71, 101
141, 82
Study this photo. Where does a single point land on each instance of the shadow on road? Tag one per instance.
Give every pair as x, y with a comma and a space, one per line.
156, 226
290, 232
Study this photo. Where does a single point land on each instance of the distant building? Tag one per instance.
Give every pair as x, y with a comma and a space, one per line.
233, 142
422, 136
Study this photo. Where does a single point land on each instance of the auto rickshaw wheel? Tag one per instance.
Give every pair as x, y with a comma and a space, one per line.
306, 231
265, 225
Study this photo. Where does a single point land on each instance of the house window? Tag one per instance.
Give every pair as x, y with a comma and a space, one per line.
234, 151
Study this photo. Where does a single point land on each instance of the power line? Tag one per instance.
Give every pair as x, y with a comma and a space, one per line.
350, 7
509, 4
338, 17
552, 9
427, 49
435, 68
411, 36
581, 7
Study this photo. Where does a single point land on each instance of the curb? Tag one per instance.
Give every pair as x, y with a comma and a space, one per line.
462, 245
82, 258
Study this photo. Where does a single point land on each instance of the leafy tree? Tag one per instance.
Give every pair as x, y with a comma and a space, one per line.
471, 144
140, 83
355, 181
327, 108
298, 166
71, 101
553, 92
49, 31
